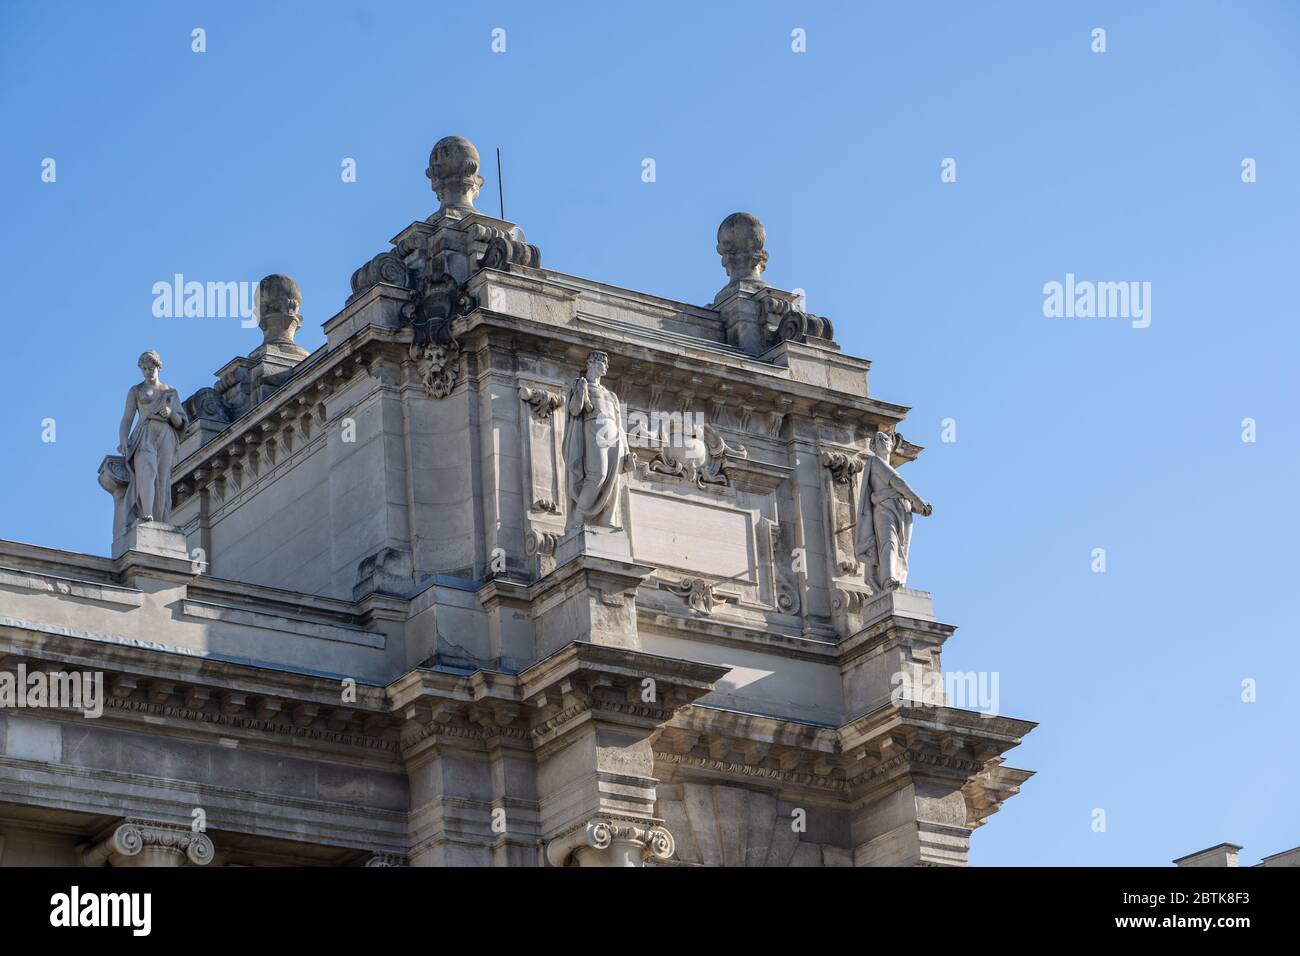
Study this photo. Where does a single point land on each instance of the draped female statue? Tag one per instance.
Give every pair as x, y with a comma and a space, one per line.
150, 448
884, 532
595, 448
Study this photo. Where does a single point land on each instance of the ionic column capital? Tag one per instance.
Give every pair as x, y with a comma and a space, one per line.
136, 842
607, 841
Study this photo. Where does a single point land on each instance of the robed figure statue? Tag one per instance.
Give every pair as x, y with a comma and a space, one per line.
884, 532
595, 448
150, 448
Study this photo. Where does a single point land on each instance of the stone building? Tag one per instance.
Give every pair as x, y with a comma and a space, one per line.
418, 598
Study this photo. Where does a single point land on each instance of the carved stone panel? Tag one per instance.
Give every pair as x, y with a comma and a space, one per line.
841, 471
542, 436
543, 441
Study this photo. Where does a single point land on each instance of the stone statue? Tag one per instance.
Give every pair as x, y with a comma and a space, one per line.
150, 448
595, 448
884, 532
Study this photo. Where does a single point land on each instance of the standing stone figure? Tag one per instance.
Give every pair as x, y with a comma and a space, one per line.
884, 532
595, 448
151, 447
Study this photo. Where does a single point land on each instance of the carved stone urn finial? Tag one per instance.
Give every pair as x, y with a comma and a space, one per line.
453, 171
278, 301
740, 243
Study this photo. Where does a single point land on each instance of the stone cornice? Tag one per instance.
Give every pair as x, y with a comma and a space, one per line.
854, 759
990, 789
912, 632
583, 682
685, 680
770, 386
223, 697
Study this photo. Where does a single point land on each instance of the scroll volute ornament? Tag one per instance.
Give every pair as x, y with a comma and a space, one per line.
785, 323
504, 251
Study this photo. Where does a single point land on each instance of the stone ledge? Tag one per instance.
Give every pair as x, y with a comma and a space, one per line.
274, 622
69, 587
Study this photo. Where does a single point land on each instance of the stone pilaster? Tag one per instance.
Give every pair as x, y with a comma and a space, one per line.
593, 713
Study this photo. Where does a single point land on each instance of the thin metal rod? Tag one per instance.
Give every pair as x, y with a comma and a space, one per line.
501, 189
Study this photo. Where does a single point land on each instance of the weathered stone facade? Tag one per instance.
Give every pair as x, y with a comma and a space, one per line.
369, 633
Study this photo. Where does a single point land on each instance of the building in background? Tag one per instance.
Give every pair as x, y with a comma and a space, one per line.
518, 568
1225, 854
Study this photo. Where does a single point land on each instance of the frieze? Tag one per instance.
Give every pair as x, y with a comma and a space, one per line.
249, 723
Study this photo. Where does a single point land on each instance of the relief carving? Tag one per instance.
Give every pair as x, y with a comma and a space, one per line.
434, 350
842, 500
785, 572
701, 596
701, 456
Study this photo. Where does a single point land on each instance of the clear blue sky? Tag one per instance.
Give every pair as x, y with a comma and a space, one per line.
1071, 434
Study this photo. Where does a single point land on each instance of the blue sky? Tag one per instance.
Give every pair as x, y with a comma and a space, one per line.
1072, 434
